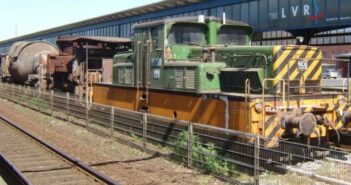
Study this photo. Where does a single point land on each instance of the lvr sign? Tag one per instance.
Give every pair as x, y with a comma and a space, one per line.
306, 10
296, 9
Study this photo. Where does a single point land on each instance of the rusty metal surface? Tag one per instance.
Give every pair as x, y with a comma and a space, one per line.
5, 67
16, 48
107, 70
58, 63
25, 58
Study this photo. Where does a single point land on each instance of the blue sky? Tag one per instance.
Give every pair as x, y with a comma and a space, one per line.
34, 15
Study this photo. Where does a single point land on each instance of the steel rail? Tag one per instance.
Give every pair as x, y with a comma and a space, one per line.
10, 169
85, 168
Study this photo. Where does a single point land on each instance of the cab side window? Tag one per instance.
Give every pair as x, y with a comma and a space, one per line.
155, 38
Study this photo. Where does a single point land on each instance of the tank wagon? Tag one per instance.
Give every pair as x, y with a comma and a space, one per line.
76, 62
26, 62
204, 70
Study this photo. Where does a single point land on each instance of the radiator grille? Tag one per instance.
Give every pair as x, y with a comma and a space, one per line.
121, 76
234, 81
125, 75
128, 75
184, 79
189, 79
179, 78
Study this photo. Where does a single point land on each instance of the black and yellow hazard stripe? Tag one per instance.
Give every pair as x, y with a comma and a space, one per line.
282, 63
333, 107
285, 65
314, 70
273, 130
273, 127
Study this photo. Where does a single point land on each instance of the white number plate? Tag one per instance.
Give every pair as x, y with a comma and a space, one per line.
302, 64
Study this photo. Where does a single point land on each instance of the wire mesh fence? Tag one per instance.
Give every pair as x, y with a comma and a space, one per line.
234, 156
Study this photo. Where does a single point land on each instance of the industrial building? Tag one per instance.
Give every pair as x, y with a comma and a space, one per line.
276, 22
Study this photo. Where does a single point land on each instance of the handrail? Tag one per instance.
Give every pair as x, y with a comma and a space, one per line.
247, 95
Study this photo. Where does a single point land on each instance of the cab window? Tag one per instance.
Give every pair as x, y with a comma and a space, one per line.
186, 34
232, 36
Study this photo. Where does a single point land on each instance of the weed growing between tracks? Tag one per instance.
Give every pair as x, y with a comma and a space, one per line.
205, 158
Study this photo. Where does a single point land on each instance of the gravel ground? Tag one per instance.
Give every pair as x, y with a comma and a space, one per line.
121, 162
323, 168
329, 169
287, 179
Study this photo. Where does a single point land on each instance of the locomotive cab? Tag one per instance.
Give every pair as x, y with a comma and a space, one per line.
169, 54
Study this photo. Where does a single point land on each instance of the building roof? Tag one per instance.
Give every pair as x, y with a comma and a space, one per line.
190, 19
344, 56
162, 5
93, 39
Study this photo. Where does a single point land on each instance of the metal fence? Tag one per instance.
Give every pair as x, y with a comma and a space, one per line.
231, 155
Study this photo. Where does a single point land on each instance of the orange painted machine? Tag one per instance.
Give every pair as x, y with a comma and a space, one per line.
204, 70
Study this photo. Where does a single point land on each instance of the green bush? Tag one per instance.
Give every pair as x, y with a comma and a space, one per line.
204, 157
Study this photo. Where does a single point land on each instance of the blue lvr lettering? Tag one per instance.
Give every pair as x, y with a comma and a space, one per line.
295, 10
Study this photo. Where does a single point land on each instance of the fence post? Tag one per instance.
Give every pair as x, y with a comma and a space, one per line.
20, 97
87, 114
144, 130
38, 102
13, 91
112, 120
52, 102
67, 106
257, 160
29, 97
190, 144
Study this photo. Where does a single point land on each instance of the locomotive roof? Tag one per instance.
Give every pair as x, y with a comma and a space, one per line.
190, 19
112, 40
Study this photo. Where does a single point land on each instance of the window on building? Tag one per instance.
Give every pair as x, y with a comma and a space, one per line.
254, 13
263, 13
236, 12
228, 12
219, 12
244, 12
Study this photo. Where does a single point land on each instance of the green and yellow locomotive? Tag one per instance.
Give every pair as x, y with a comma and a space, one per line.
204, 70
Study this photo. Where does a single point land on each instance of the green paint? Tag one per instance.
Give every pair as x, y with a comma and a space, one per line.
180, 57
212, 32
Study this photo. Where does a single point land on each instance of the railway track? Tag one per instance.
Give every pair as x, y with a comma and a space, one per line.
42, 163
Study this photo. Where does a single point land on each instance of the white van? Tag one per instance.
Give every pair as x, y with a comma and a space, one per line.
329, 71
